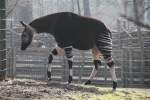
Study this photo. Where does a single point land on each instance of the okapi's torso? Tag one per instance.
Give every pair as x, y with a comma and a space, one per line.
70, 29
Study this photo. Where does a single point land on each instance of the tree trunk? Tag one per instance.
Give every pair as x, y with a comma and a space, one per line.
86, 7
72, 3
147, 12
98, 2
79, 9
24, 10
2, 40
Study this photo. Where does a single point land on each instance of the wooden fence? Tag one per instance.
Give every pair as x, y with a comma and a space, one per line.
33, 63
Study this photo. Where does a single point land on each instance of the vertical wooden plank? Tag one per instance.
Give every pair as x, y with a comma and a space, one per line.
122, 68
13, 55
81, 61
46, 67
122, 52
14, 63
106, 72
65, 70
82, 65
130, 68
137, 4
8, 73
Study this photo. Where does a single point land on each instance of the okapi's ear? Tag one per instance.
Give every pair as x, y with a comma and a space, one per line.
23, 24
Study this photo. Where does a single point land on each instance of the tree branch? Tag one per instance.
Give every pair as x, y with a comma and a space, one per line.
12, 8
141, 24
146, 9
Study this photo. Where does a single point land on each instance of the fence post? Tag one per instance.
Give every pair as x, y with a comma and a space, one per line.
65, 68
2, 40
140, 36
14, 63
122, 52
130, 68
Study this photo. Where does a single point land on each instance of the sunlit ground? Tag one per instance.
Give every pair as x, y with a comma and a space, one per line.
23, 89
106, 94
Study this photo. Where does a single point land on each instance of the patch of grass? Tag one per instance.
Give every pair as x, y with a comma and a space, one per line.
107, 94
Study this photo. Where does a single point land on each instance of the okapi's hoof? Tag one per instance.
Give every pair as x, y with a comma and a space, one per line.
114, 86
87, 82
70, 79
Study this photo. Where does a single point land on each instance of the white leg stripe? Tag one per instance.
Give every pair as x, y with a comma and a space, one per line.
71, 59
49, 68
93, 73
113, 74
71, 72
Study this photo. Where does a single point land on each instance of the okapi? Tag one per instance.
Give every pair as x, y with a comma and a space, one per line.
74, 31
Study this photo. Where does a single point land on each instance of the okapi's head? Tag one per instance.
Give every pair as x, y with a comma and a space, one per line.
27, 35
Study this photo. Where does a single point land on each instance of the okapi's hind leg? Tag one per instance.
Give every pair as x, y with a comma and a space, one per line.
69, 55
96, 56
111, 66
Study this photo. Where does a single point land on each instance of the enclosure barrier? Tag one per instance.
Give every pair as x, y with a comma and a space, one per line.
33, 62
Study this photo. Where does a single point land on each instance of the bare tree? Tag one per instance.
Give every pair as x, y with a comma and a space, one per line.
24, 11
86, 7
98, 2
139, 10
12, 8
78, 5
72, 3
139, 23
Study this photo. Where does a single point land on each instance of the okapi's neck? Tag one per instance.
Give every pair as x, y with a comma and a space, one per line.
44, 24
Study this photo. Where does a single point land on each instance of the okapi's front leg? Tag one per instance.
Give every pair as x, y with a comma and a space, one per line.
97, 62
50, 59
56, 51
69, 55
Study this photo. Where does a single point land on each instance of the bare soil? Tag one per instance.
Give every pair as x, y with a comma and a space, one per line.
25, 89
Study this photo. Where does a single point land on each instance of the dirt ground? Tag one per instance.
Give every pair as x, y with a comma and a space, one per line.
25, 89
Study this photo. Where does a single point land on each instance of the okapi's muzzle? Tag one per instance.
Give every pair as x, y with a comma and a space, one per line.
26, 41
24, 46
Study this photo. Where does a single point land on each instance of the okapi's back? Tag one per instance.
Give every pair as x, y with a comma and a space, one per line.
71, 29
